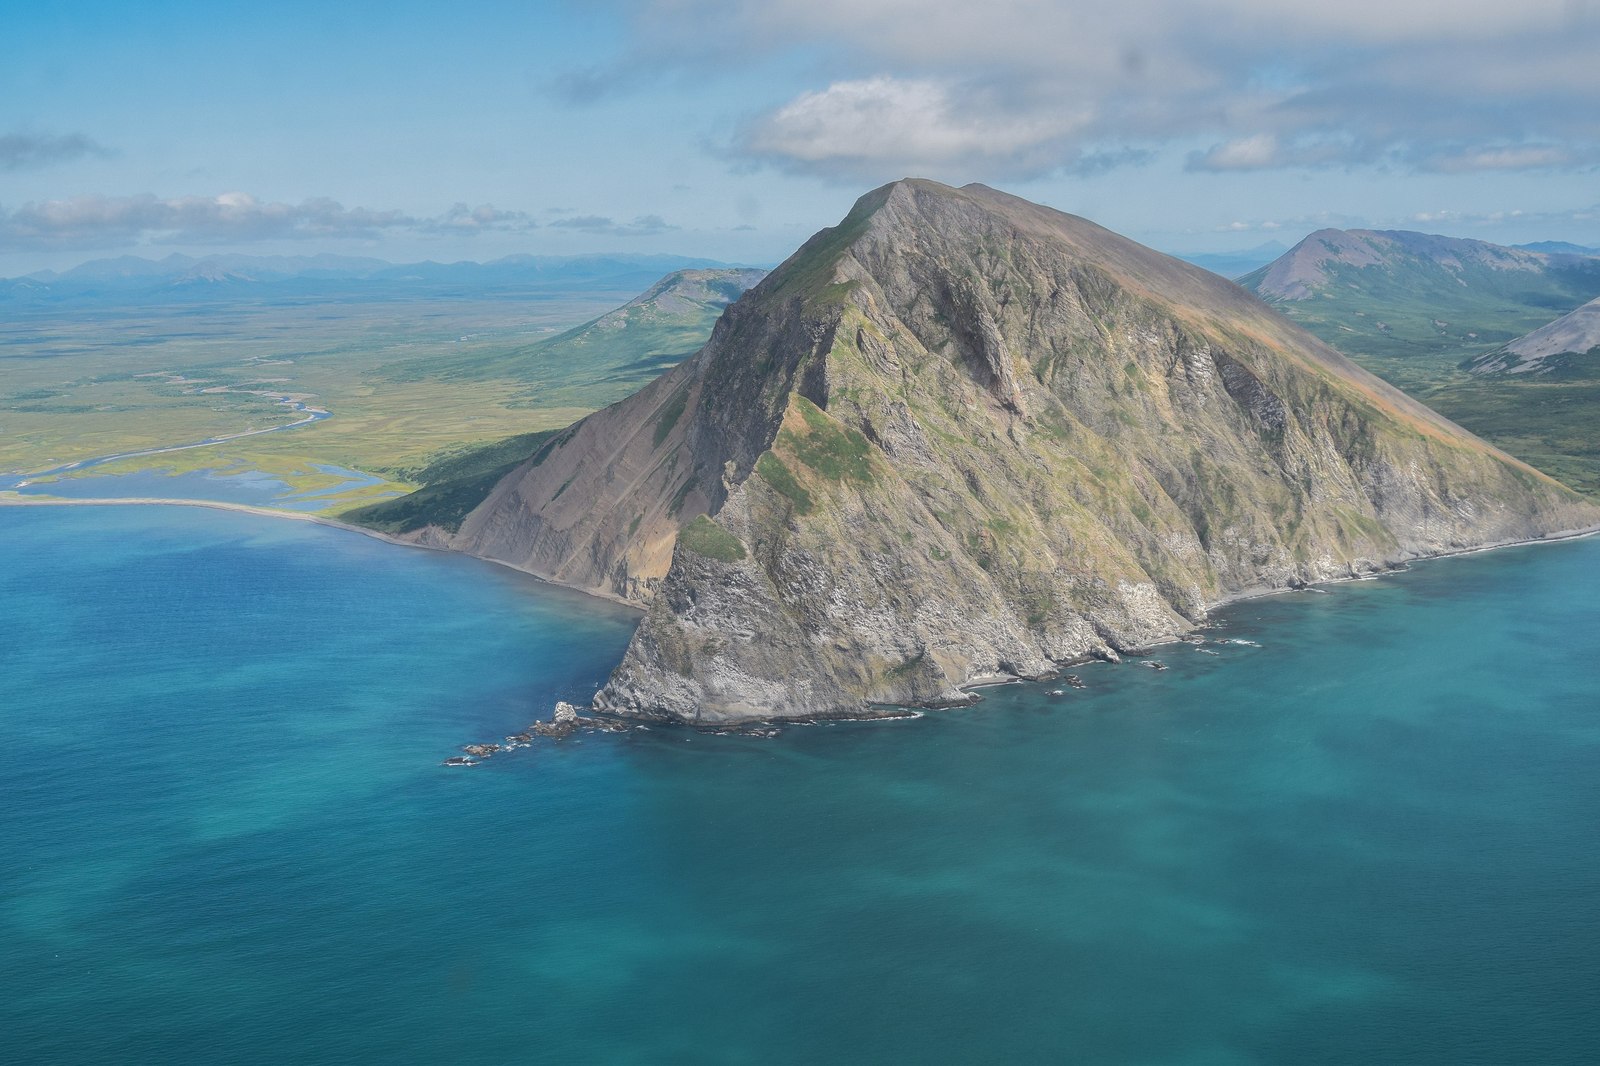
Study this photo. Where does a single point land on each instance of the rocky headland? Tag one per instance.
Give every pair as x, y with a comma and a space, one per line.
961, 436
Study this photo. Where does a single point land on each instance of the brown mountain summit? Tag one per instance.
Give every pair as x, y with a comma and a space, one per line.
961, 435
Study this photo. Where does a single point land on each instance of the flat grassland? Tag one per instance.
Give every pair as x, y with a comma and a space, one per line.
83, 382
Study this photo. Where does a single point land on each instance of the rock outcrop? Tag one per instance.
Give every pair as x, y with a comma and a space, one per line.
961, 436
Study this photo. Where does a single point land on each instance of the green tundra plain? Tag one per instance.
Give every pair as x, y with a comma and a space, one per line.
417, 389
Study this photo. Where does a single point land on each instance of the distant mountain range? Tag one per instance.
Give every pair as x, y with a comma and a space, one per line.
182, 277
1399, 294
1558, 248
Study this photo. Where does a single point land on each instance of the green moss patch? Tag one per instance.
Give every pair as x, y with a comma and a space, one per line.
771, 470
836, 452
444, 505
705, 537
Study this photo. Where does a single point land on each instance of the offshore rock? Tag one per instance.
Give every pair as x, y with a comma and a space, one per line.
562, 723
961, 435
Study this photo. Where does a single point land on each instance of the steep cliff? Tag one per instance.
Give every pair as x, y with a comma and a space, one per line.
962, 435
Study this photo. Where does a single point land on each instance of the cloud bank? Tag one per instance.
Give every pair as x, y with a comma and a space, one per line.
1016, 88
643, 226
112, 221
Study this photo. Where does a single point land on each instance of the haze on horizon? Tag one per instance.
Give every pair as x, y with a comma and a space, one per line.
734, 130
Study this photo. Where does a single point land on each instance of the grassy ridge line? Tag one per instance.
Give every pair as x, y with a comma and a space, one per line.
629, 345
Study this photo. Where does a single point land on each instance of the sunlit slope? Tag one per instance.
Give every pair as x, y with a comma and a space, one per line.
961, 435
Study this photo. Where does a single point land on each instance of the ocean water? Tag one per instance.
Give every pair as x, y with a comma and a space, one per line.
225, 836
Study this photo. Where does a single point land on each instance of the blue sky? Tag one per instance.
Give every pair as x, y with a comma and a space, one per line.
734, 130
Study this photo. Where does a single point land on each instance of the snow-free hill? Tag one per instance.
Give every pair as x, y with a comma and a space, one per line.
1393, 294
1311, 266
655, 330
1562, 343
961, 435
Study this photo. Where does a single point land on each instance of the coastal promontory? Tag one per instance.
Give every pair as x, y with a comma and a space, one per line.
961, 436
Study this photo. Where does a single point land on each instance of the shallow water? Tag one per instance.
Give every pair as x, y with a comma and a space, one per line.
226, 835
228, 485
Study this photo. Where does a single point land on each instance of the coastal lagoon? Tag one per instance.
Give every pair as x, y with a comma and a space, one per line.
1357, 825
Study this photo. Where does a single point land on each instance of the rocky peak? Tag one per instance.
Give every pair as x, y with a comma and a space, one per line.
960, 436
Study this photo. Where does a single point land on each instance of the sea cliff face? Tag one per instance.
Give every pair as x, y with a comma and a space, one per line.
961, 435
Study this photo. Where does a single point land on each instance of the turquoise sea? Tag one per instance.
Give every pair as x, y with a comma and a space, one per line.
226, 836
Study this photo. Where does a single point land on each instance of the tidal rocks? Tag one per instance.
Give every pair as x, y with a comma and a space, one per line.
562, 722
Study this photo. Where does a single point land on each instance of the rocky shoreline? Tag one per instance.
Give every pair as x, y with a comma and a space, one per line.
568, 719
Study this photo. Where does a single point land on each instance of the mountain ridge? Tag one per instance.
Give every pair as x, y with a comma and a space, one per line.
961, 435
1399, 294
1298, 273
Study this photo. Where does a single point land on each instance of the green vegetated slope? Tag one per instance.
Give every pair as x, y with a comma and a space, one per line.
621, 350
594, 364
1419, 310
960, 435
1568, 346
451, 485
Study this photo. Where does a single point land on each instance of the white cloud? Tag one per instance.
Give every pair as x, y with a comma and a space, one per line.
886, 125
1018, 87
1267, 151
1517, 157
1247, 153
461, 219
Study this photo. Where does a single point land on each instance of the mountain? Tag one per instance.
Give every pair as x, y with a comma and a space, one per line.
1237, 264
1559, 248
656, 329
1397, 295
961, 436
1571, 337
